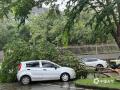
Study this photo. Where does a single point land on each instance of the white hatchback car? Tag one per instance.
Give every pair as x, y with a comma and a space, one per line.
40, 70
94, 62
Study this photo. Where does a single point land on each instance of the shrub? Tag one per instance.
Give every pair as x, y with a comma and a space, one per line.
14, 52
19, 50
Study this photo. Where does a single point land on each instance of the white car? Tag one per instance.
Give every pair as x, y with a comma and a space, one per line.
40, 70
95, 62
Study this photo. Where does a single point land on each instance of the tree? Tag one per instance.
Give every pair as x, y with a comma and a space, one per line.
106, 13
7, 32
42, 27
19, 50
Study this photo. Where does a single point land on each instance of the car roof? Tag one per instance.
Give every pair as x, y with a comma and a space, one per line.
35, 61
24, 62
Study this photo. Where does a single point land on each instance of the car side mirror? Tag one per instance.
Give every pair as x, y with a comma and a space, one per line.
55, 67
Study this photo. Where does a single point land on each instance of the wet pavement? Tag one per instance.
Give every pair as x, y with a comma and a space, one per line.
42, 86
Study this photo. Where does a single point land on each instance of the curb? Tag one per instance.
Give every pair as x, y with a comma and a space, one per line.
95, 87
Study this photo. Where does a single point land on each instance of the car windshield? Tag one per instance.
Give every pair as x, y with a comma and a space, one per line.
49, 65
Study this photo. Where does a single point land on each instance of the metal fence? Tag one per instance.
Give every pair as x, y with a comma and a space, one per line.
103, 51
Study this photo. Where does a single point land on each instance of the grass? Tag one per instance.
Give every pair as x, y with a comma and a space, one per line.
104, 83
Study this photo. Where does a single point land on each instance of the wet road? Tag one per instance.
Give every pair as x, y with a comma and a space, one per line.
41, 86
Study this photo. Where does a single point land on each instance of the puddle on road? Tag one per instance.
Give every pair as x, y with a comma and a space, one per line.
41, 86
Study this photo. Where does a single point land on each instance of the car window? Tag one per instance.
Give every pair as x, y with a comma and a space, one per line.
91, 60
33, 64
48, 65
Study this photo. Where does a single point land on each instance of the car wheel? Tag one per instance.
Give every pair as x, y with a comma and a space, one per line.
118, 66
99, 67
65, 77
25, 80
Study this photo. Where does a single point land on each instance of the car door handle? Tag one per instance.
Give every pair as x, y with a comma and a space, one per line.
28, 69
44, 69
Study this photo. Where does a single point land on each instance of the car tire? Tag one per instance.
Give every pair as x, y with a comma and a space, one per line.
65, 77
99, 67
25, 80
118, 66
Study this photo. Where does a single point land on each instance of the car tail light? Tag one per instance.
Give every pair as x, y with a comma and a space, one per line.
19, 66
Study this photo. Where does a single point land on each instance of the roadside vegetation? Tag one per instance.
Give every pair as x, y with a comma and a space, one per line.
19, 50
105, 83
80, 23
42, 27
39, 39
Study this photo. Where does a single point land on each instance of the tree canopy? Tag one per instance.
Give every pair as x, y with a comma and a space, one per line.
105, 18
105, 13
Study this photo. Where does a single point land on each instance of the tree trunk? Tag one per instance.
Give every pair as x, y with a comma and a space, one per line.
116, 35
117, 39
